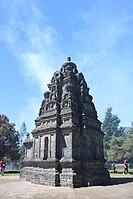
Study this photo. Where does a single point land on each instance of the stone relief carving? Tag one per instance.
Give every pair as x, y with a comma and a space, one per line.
51, 105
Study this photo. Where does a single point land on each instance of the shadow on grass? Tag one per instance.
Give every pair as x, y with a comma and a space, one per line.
120, 180
11, 174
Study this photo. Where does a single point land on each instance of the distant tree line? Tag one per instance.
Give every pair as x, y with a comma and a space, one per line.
118, 141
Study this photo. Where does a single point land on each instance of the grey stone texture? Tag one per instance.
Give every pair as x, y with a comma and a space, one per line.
67, 144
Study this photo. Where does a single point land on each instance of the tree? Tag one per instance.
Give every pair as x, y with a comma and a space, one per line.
110, 124
128, 145
115, 152
114, 136
9, 139
23, 133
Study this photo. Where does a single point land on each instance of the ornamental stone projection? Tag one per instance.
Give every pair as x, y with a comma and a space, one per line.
67, 144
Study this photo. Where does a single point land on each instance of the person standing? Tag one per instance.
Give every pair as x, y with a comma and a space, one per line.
114, 167
1, 167
125, 167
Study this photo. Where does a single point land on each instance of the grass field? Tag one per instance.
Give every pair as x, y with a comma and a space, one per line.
130, 171
11, 174
16, 172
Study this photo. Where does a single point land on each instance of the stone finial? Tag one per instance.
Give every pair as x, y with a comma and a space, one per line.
69, 59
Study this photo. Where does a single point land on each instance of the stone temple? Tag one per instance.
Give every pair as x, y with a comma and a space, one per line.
67, 144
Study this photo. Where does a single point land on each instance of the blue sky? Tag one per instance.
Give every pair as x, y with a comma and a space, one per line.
37, 36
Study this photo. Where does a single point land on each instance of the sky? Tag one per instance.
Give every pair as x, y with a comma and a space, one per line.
37, 36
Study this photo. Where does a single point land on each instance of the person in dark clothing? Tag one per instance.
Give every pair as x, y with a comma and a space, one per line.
2, 167
114, 167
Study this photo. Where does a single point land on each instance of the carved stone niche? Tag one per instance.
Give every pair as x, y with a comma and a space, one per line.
51, 105
46, 94
69, 87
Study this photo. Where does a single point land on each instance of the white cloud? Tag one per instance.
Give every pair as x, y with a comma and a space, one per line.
29, 113
103, 30
105, 62
37, 69
35, 44
97, 53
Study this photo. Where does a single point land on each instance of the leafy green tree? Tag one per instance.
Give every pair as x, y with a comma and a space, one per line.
114, 136
128, 145
115, 152
110, 124
9, 139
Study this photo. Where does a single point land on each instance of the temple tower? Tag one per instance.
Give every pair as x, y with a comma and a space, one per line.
67, 144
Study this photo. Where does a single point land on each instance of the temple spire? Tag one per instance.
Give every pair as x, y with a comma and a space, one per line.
68, 58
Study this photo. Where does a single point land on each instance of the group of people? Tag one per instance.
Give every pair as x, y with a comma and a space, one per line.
125, 165
2, 167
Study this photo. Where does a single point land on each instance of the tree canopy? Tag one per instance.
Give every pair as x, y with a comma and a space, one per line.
114, 136
9, 139
118, 143
128, 145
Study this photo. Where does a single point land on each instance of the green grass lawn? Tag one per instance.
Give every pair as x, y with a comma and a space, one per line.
130, 171
118, 172
11, 174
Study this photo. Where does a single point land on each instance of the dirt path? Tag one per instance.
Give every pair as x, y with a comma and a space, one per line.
11, 187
